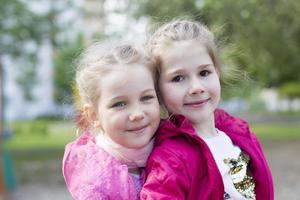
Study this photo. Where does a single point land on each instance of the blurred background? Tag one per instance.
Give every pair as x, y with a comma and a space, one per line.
39, 40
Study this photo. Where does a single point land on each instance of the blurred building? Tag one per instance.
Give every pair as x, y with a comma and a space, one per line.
273, 102
93, 18
42, 103
16, 107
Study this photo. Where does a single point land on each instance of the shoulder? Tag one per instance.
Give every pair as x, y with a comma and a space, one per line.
175, 152
176, 138
83, 149
231, 124
85, 155
91, 173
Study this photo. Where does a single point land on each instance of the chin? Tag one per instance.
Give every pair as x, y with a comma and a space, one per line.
198, 120
138, 146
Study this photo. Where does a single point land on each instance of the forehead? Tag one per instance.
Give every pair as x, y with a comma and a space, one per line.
184, 54
122, 77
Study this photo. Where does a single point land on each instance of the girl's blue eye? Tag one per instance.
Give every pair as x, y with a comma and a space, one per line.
204, 73
177, 78
147, 98
119, 104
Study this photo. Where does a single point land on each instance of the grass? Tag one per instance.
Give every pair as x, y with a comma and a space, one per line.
276, 130
41, 135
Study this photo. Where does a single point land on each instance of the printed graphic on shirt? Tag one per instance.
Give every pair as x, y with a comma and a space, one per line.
243, 183
226, 196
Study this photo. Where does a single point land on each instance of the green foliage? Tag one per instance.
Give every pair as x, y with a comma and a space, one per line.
64, 70
167, 9
27, 77
50, 21
19, 26
290, 90
266, 34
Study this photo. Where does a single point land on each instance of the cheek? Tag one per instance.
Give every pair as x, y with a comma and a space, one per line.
154, 116
153, 108
171, 97
114, 121
216, 88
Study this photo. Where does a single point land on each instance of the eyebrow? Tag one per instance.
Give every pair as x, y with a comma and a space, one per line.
124, 96
180, 69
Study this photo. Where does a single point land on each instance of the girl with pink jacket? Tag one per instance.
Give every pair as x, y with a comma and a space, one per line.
200, 152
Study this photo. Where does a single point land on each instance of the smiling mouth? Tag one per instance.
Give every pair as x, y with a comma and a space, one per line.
138, 129
196, 104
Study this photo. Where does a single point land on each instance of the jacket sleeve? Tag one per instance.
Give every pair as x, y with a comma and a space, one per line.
166, 176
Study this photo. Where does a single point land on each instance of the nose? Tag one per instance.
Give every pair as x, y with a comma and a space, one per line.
196, 87
136, 115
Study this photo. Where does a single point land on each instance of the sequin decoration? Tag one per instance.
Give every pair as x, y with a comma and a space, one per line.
226, 196
243, 183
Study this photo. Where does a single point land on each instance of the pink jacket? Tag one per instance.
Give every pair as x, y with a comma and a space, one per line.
181, 165
92, 174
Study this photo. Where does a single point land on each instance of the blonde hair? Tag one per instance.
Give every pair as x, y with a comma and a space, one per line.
94, 63
182, 30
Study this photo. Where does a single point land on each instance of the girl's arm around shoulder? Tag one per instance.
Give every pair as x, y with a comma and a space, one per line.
166, 176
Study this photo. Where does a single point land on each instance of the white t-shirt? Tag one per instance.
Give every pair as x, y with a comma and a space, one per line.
222, 148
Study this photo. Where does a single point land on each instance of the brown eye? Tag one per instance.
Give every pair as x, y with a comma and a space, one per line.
204, 73
119, 104
177, 78
147, 98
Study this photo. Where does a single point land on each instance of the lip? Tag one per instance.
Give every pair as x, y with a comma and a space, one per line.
197, 104
138, 129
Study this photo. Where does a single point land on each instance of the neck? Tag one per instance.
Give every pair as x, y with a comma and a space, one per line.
206, 128
133, 158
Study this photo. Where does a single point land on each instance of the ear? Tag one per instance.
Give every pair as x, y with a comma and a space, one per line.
89, 113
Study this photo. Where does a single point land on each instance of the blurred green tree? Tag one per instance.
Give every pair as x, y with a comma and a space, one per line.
265, 34
19, 29
164, 10
64, 71
66, 51
290, 90
21, 32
